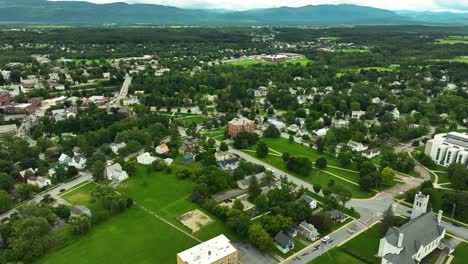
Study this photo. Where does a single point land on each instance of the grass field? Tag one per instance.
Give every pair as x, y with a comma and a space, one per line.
353, 50
168, 196
251, 62
281, 145
451, 41
457, 59
80, 195
365, 244
133, 236
216, 134
189, 120
460, 254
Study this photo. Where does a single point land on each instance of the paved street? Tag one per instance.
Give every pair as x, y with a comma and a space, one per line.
84, 176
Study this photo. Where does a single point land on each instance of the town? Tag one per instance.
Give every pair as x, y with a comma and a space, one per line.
252, 145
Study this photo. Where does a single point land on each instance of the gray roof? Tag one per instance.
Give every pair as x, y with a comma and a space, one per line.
246, 180
282, 239
417, 232
306, 198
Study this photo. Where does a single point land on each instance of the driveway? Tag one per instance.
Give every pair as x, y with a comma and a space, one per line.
249, 254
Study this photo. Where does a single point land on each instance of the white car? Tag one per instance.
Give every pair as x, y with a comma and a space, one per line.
325, 239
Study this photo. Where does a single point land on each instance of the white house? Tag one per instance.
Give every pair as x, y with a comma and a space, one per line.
308, 231
115, 147
278, 124
162, 149
376, 100
371, 153
39, 181
321, 132
309, 200
115, 172
416, 239
78, 161
396, 113
64, 159
357, 114
146, 158
445, 149
356, 146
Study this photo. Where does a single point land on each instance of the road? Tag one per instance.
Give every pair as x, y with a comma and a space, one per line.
55, 191
123, 91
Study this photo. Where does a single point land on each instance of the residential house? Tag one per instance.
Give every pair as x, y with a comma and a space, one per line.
336, 216
188, 145
115, 172
376, 100
357, 114
214, 251
241, 124
340, 123
39, 181
309, 200
78, 161
8, 130
261, 91
163, 149
278, 124
188, 158
146, 158
245, 183
230, 163
64, 159
293, 128
308, 231
371, 153
5, 98
80, 210
321, 132
63, 114
396, 113
115, 147
283, 242
24, 174
414, 241
356, 146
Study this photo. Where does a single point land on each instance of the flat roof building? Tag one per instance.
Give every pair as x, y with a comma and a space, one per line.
445, 149
216, 250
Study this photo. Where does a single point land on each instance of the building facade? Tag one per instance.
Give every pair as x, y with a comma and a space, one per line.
445, 149
238, 125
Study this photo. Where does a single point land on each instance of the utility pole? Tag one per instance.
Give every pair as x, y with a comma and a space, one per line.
453, 209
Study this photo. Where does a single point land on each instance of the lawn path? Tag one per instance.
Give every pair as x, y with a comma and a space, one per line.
334, 175
167, 222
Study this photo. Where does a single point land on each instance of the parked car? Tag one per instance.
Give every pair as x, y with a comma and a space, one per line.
325, 239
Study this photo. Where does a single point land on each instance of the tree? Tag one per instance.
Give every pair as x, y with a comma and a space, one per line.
458, 175
158, 165
317, 188
388, 174
342, 194
62, 211
238, 205
366, 168
5, 201
344, 157
28, 239
25, 191
199, 193
261, 203
72, 172
388, 219
291, 139
98, 170
272, 132
80, 224
223, 146
6, 182
260, 238
254, 188
262, 150
321, 163
320, 143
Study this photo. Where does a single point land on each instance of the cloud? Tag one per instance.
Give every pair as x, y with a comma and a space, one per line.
460, 5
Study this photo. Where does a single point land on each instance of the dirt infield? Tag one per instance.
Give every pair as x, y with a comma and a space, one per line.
195, 219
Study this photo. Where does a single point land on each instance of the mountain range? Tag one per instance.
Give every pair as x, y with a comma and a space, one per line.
45, 12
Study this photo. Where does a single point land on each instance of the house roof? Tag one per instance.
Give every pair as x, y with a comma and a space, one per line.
306, 198
282, 239
308, 227
208, 252
113, 168
78, 209
335, 214
417, 232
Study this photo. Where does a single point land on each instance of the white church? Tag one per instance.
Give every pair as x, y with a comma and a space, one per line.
413, 241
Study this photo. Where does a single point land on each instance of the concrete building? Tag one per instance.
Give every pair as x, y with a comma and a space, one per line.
415, 240
445, 149
214, 251
238, 125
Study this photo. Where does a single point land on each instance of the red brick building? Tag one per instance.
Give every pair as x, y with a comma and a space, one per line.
238, 125
5, 98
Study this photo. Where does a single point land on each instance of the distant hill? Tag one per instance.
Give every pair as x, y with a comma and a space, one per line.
446, 18
84, 13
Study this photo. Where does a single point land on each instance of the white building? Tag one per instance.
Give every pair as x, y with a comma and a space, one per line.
115, 147
78, 161
396, 113
216, 250
356, 146
416, 239
146, 158
357, 114
371, 153
445, 149
115, 172
39, 181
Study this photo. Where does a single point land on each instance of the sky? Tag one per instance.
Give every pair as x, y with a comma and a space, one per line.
419, 5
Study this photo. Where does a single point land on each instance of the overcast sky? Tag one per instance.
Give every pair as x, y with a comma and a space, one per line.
432, 5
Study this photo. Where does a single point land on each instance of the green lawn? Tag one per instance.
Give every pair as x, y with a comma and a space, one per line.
353, 50
189, 120
365, 244
450, 41
168, 196
80, 195
133, 236
216, 134
250, 62
460, 254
